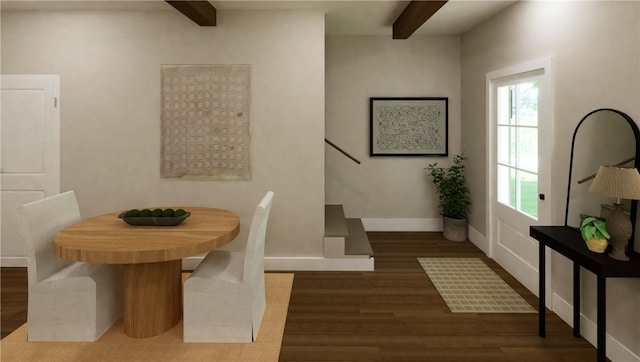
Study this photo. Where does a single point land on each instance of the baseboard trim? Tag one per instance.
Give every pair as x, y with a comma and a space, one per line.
479, 240
399, 224
13, 262
616, 351
426, 225
301, 263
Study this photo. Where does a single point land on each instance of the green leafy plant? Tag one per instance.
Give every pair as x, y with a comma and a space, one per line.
453, 193
155, 213
594, 227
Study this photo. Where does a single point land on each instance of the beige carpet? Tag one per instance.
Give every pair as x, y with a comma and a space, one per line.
116, 346
468, 285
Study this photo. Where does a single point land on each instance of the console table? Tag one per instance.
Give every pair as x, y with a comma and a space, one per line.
568, 242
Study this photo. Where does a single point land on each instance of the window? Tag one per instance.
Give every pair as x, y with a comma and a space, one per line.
517, 147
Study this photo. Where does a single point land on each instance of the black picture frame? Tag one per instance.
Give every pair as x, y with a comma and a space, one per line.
414, 126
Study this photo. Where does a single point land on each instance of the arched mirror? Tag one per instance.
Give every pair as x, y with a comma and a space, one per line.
603, 137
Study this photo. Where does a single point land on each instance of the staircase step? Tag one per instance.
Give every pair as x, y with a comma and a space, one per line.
335, 224
357, 243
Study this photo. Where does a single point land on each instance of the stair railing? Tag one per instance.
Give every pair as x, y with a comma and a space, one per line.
342, 151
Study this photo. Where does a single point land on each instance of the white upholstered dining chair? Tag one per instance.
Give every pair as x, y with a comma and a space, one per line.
224, 298
68, 301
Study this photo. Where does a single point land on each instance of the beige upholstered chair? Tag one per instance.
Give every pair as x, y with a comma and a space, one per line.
224, 298
68, 301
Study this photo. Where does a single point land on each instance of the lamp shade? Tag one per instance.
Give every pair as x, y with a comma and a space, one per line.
618, 182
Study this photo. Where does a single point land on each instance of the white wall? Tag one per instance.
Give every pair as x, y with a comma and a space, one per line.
109, 63
596, 50
359, 67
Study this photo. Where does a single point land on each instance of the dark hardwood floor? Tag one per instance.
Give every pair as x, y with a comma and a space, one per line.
392, 314
396, 314
13, 299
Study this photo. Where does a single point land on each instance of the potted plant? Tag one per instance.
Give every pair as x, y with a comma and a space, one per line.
454, 200
594, 233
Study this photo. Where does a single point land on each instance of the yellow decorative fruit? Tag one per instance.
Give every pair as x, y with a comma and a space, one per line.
597, 245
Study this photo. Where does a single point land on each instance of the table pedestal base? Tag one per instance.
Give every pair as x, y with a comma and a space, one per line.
152, 298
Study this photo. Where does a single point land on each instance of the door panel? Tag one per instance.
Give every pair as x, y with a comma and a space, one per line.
23, 125
12, 245
520, 131
518, 244
516, 204
30, 153
517, 253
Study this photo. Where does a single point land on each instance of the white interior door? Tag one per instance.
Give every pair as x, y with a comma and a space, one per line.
521, 133
30, 153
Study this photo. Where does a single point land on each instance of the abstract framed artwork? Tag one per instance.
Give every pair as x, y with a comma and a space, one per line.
409, 126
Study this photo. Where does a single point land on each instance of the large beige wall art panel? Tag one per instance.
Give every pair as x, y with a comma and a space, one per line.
206, 122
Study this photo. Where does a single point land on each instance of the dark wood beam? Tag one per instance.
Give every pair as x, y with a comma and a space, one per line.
201, 11
415, 14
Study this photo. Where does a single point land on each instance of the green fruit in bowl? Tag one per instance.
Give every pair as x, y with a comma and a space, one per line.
168, 213
145, 213
156, 213
133, 213
179, 212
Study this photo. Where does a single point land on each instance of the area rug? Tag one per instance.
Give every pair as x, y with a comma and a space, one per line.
468, 285
116, 346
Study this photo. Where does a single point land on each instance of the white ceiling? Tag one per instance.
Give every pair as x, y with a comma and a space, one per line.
343, 17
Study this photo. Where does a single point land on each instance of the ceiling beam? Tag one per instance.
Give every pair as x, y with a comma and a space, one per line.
200, 11
415, 14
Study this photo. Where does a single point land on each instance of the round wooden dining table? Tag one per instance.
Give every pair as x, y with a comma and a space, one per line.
152, 259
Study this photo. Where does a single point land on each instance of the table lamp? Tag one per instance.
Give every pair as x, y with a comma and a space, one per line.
621, 183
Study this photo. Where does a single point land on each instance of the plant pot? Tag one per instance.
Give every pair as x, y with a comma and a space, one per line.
597, 245
454, 229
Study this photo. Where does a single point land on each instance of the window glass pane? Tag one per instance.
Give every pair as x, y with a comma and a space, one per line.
528, 149
513, 104
527, 100
506, 145
506, 186
504, 108
527, 193
506, 153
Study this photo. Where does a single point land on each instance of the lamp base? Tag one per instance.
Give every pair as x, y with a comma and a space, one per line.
618, 256
620, 229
